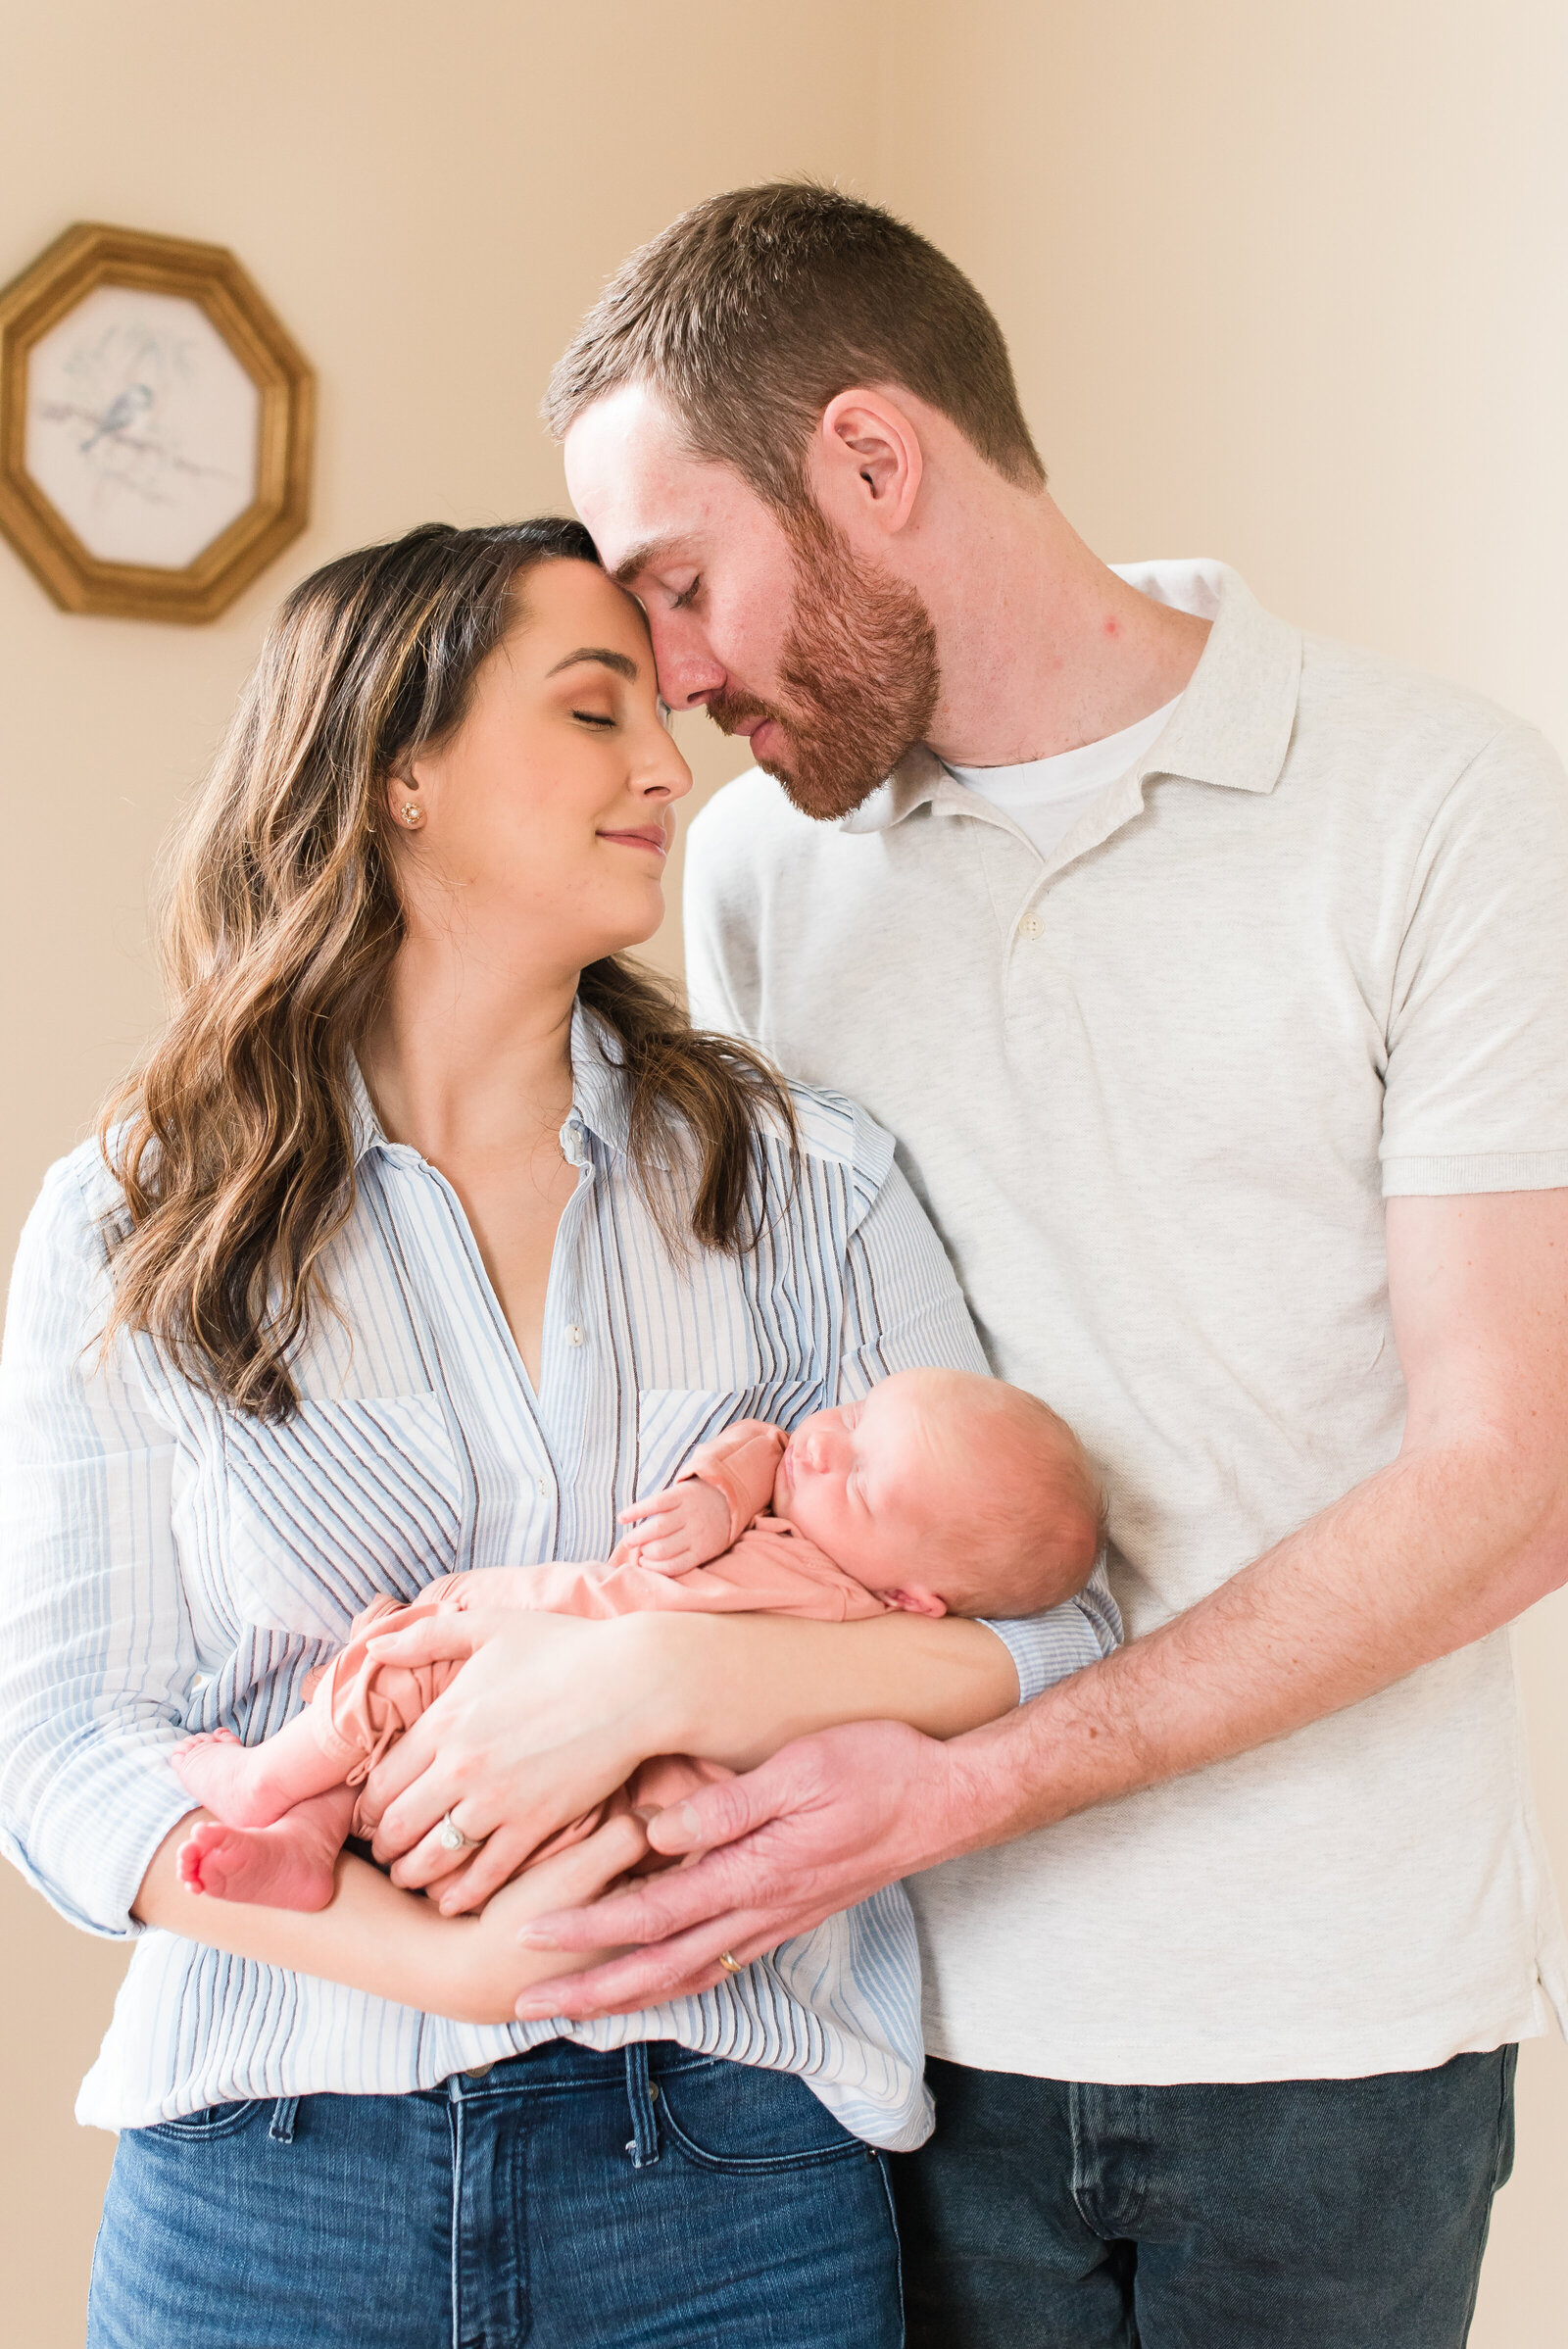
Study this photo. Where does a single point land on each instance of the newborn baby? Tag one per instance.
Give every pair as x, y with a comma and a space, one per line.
940, 1490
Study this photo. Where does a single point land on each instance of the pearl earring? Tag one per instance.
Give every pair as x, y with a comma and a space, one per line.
412, 815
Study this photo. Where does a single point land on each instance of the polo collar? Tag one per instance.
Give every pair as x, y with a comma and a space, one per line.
1232, 728
600, 1092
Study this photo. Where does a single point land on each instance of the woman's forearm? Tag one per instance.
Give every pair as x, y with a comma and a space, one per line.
736, 1687
551, 1713
389, 1944
370, 1937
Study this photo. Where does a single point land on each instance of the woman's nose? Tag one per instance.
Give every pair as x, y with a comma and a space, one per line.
662, 773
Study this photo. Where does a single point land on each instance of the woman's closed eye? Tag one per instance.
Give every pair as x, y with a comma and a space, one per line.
592, 717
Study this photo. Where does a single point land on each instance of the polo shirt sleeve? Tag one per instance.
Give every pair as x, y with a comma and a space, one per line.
1476, 1082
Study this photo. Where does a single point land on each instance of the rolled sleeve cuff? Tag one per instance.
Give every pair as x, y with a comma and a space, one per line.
92, 1883
1493, 1170
1050, 1647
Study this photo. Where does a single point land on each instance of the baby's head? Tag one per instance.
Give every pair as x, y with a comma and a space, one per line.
947, 1492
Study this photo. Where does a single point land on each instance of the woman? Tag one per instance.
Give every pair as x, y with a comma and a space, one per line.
427, 1237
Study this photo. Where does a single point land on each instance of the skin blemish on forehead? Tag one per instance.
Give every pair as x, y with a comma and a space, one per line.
1113, 628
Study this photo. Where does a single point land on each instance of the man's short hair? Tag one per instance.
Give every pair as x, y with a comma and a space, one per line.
753, 309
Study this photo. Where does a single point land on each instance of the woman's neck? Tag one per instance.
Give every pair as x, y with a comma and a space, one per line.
465, 1056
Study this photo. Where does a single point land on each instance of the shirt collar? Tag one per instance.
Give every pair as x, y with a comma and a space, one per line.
364, 1124
1233, 726
600, 1092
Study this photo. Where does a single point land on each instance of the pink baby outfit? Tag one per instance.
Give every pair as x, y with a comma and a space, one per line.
768, 1569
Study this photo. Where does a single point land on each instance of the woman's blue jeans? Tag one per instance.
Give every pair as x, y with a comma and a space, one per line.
565, 2199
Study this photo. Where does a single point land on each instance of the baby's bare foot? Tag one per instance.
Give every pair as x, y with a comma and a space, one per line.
285, 1867
233, 1780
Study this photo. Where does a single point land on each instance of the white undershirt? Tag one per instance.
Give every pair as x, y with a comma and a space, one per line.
1046, 797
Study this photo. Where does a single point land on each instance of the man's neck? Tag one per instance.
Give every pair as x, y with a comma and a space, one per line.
1042, 648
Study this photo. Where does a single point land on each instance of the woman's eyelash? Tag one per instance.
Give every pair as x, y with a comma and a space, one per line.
592, 718
681, 601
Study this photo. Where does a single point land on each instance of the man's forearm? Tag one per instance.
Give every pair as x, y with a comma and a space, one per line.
1440, 1548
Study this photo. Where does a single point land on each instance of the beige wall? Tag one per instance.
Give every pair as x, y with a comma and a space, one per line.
1283, 285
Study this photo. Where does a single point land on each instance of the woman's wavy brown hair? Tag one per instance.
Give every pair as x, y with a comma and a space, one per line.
234, 1138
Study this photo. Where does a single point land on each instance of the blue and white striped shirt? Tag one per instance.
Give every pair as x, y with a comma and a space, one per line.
170, 1565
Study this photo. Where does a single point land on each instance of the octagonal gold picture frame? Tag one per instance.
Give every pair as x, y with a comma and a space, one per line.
91, 255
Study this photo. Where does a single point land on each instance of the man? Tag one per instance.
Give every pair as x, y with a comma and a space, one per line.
1214, 982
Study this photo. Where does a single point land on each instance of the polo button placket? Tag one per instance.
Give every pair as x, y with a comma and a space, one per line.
1031, 927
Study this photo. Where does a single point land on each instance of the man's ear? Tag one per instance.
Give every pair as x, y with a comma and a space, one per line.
916, 1599
867, 460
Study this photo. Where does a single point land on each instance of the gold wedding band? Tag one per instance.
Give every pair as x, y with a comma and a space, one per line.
731, 1965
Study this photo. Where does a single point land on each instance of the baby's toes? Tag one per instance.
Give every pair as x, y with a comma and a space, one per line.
191, 1859
203, 1737
207, 1853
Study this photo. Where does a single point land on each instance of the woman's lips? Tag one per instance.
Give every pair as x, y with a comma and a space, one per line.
651, 837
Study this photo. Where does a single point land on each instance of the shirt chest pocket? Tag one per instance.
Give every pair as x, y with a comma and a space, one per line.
671, 1421
341, 1502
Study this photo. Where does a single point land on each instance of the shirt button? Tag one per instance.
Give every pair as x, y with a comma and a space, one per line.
573, 1334
1031, 926
542, 1485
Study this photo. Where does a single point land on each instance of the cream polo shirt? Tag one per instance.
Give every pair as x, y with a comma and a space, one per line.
1311, 952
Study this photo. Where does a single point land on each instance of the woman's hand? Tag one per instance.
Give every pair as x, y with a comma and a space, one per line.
551, 1713
485, 1975
547, 1716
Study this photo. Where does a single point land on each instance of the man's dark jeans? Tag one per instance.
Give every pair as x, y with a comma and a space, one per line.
1306, 2214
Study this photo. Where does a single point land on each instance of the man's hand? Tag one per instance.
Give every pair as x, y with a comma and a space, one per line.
686, 1525
828, 1821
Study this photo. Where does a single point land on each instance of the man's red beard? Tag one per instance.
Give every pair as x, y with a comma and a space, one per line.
860, 666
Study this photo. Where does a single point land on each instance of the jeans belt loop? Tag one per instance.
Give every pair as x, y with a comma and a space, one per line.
641, 2146
282, 2130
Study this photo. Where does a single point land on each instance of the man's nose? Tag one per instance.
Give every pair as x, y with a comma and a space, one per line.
689, 676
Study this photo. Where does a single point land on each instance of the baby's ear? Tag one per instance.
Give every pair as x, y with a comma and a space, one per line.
917, 1601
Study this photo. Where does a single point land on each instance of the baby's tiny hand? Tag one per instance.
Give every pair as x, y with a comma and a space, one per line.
684, 1526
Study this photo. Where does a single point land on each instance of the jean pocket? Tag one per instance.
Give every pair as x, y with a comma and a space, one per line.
747, 2122
211, 2121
